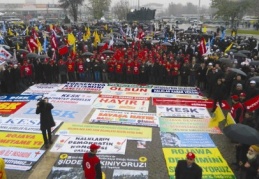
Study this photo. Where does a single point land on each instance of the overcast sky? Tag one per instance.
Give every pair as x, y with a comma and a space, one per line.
166, 2
132, 2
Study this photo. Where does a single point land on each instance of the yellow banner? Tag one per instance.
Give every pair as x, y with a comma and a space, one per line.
22, 140
129, 132
210, 160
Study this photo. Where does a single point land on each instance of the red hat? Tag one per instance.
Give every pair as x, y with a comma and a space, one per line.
235, 97
242, 95
94, 147
190, 155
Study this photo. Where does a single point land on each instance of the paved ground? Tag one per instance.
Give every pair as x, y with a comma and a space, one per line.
153, 152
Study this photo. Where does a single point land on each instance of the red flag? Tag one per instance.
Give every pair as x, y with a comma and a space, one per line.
104, 47
63, 50
202, 47
252, 104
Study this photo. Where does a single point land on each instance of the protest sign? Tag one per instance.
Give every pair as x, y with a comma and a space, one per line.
22, 140
210, 160
127, 103
19, 158
10, 107
174, 89
81, 144
184, 139
63, 112
71, 98
19, 98
83, 86
187, 125
129, 132
68, 162
126, 91
124, 117
130, 85
188, 102
182, 111
42, 89
23, 124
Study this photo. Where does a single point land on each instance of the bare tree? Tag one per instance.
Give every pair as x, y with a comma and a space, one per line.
121, 9
71, 6
98, 7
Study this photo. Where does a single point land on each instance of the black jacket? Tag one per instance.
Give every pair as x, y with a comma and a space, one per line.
183, 172
46, 118
219, 91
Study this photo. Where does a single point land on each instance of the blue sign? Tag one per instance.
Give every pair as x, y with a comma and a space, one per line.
21, 98
185, 139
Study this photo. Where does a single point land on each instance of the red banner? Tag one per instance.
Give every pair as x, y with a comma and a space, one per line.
188, 102
252, 104
10, 107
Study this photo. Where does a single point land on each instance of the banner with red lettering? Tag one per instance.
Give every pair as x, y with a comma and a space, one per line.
182, 111
22, 140
126, 91
10, 107
19, 158
127, 103
252, 104
124, 117
188, 102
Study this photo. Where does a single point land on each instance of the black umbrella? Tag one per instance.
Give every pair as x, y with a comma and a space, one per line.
166, 44
108, 52
238, 71
32, 55
254, 63
255, 78
184, 43
87, 54
241, 133
232, 50
100, 44
23, 51
17, 42
240, 55
43, 56
244, 51
225, 60
5, 46
118, 43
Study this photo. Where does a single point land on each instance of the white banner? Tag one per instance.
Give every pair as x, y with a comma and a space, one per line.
63, 112
47, 87
31, 125
127, 103
126, 91
42, 89
19, 158
83, 86
175, 90
32, 155
182, 111
81, 144
71, 98
124, 117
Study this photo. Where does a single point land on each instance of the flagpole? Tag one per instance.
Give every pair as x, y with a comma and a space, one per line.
199, 16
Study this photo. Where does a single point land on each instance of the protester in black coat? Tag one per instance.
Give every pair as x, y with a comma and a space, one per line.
219, 93
188, 169
46, 120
